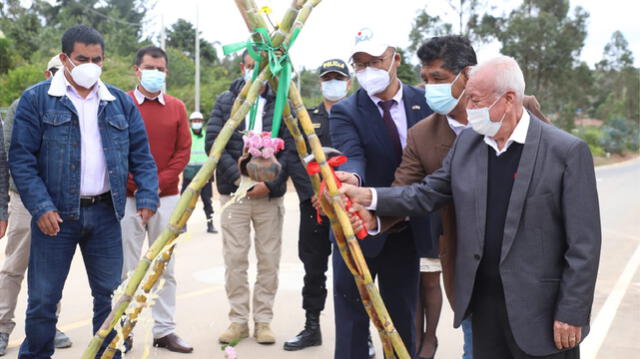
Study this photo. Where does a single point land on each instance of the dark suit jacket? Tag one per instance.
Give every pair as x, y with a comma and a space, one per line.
357, 129
551, 244
428, 143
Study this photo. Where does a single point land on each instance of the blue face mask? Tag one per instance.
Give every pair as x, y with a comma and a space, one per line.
152, 80
439, 97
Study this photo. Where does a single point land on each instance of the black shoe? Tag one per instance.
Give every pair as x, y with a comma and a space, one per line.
309, 337
128, 344
372, 349
4, 342
210, 227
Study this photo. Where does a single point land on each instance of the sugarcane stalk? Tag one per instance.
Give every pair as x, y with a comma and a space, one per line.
182, 212
362, 270
159, 266
352, 257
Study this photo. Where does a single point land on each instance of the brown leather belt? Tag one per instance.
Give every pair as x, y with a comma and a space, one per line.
86, 201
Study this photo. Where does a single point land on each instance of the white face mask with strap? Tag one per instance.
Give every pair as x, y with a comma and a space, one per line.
375, 80
480, 120
85, 75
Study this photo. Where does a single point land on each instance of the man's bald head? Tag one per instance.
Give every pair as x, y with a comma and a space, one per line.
498, 76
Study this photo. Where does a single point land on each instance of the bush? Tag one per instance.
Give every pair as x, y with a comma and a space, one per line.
591, 135
618, 136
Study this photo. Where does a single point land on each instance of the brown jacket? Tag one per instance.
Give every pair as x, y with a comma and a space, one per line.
428, 142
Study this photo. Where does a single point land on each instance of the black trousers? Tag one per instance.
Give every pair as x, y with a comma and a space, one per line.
205, 195
314, 249
492, 336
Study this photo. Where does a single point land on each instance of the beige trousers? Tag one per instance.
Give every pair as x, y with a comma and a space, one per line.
16, 261
267, 216
133, 236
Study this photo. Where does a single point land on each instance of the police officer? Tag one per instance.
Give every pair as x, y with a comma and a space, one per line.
314, 246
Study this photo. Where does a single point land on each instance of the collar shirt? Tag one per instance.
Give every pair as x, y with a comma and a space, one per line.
93, 166
456, 126
140, 97
519, 134
398, 114
257, 126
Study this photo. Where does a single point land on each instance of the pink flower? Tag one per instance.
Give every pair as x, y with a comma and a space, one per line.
230, 352
255, 151
268, 152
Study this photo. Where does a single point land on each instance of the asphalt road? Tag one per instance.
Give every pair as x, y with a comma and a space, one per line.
202, 306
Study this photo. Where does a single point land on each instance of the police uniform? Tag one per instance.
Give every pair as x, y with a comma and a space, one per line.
314, 244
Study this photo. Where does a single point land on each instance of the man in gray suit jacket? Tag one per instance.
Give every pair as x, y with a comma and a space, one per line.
528, 219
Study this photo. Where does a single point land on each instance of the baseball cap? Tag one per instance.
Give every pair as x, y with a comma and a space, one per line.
54, 63
196, 116
334, 65
369, 42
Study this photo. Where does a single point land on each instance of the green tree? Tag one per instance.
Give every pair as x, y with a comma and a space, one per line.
406, 72
618, 82
182, 36
17, 80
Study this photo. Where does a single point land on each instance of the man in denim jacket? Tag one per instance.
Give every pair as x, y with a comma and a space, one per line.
74, 142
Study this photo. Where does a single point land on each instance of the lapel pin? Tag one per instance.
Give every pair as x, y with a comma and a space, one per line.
415, 107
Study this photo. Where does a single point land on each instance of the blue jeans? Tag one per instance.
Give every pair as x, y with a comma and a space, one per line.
468, 339
97, 232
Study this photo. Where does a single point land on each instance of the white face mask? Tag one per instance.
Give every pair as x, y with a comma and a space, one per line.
334, 90
85, 75
196, 126
374, 80
480, 120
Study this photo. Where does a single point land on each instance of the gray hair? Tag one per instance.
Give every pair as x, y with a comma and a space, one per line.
507, 75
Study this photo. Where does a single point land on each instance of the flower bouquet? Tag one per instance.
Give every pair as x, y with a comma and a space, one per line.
258, 160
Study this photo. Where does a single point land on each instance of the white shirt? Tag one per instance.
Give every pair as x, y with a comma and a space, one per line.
93, 166
140, 97
257, 126
519, 134
398, 114
456, 126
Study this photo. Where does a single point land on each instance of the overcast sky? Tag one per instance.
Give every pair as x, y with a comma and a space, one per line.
333, 24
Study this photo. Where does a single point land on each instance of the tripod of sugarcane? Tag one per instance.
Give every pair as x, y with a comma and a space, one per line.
332, 204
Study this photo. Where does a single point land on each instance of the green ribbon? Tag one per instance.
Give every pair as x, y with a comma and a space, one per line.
279, 65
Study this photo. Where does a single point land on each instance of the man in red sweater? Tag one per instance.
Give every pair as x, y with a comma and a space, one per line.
165, 119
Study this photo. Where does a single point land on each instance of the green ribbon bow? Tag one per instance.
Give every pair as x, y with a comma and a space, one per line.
280, 66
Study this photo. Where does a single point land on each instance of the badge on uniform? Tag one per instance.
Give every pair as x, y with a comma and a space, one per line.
415, 107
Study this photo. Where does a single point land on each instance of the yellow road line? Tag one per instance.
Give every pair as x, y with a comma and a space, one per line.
87, 322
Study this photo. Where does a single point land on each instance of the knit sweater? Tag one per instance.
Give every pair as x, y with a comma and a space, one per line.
170, 140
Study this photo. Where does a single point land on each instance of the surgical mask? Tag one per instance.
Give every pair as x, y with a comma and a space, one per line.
196, 126
374, 80
480, 120
334, 90
85, 75
248, 75
152, 80
439, 97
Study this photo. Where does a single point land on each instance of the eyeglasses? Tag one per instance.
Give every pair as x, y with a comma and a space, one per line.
358, 66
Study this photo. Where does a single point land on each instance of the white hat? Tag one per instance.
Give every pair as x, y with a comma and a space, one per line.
196, 116
54, 63
368, 42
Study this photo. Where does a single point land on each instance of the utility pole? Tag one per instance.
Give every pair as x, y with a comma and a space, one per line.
163, 33
197, 87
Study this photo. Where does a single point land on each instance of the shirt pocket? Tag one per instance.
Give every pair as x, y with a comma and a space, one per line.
118, 130
57, 126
